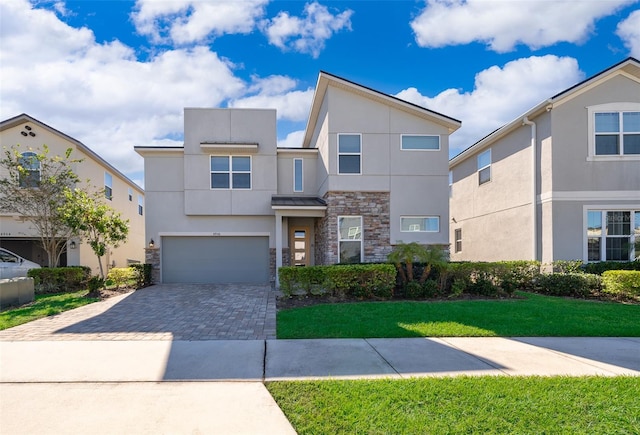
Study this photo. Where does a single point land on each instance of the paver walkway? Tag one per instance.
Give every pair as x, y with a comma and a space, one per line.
191, 312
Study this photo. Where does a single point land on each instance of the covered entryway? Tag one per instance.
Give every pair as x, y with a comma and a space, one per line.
217, 260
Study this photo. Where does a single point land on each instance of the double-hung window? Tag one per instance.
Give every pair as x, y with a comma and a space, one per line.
30, 172
421, 142
130, 194
617, 133
140, 205
349, 154
231, 172
458, 239
108, 186
422, 224
613, 235
298, 185
484, 166
350, 239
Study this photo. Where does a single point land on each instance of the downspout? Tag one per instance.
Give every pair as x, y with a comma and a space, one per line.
534, 184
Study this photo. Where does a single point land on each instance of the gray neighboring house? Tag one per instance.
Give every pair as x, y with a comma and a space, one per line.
230, 206
561, 182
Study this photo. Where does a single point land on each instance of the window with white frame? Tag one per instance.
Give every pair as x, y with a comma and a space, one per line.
231, 172
613, 235
617, 133
450, 184
298, 185
140, 205
30, 173
458, 239
484, 167
349, 153
419, 142
108, 186
130, 194
350, 239
422, 224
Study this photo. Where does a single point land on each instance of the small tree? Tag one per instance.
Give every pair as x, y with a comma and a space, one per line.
405, 254
97, 223
32, 185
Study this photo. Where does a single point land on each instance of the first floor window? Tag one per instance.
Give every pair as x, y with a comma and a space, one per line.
613, 235
458, 239
350, 239
230, 172
108, 186
423, 224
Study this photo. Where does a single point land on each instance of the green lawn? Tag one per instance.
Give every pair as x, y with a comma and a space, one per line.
483, 405
529, 315
43, 306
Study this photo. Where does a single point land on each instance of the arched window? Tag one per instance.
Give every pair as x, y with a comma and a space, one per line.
30, 173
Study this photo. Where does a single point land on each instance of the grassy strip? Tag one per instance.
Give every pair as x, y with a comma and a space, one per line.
43, 306
487, 405
533, 315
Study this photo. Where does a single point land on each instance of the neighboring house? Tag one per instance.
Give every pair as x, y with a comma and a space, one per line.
561, 182
122, 194
229, 206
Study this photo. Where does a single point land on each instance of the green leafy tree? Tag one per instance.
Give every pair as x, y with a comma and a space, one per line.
405, 254
94, 221
32, 185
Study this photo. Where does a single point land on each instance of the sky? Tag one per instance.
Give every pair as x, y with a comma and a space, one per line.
116, 74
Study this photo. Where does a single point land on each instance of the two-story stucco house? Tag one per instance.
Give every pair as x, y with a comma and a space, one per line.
561, 182
122, 194
230, 206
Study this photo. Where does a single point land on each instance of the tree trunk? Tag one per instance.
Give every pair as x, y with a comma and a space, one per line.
425, 273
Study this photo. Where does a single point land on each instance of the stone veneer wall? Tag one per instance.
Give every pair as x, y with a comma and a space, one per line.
152, 257
286, 261
374, 209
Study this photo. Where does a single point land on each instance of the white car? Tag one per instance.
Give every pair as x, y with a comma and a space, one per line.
12, 265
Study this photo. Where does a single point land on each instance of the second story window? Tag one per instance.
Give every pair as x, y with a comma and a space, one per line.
484, 167
298, 185
458, 239
130, 194
108, 186
230, 172
617, 133
30, 173
420, 143
140, 205
349, 154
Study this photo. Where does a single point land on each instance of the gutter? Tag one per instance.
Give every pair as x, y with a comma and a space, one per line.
534, 247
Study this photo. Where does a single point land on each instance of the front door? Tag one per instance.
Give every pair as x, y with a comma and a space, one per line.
299, 246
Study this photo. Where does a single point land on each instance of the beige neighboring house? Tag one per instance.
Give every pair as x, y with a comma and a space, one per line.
121, 194
230, 206
561, 182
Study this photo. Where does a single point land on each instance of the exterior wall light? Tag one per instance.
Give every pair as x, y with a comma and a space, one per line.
72, 245
151, 243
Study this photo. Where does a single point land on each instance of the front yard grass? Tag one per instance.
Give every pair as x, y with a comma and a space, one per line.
487, 405
43, 306
530, 315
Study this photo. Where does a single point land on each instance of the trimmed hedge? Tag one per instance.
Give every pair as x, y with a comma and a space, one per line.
60, 279
142, 274
602, 266
120, 276
361, 281
624, 283
579, 285
488, 279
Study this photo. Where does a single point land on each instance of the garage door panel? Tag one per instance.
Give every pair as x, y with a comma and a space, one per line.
215, 259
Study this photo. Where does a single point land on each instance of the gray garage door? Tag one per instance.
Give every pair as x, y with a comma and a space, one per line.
215, 259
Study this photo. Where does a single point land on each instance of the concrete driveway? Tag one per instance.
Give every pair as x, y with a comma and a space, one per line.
191, 312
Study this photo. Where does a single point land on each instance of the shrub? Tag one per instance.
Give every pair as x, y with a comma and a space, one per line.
621, 282
568, 284
60, 279
120, 276
142, 274
95, 283
488, 279
567, 266
602, 266
362, 281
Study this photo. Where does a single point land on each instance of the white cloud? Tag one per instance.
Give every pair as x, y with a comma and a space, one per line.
101, 94
293, 140
306, 34
277, 92
504, 24
189, 21
629, 31
500, 95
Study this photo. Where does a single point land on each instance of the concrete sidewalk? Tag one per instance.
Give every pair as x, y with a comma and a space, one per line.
164, 386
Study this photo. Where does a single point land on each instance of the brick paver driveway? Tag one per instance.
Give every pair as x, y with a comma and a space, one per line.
164, 312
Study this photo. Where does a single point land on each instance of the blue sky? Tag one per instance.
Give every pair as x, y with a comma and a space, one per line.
117, 74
